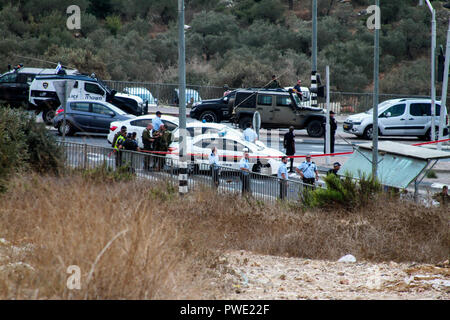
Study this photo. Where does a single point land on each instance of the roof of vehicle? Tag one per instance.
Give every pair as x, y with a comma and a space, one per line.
163, 117
279, 91
40, 71
80, 77
116, 109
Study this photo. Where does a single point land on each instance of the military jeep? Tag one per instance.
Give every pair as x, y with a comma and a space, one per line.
279, 108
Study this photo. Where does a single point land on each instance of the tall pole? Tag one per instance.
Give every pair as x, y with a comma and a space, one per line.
433, 67
375, 99
314, 54
444, 88
182, 178
327, 126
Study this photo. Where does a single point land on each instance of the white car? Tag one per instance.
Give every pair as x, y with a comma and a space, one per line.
193, 128
397, 117
139, 124
230, 148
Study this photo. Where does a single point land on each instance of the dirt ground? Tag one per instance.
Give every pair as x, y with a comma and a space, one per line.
255, 277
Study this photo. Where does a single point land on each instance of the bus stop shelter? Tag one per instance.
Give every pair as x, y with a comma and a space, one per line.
398, 164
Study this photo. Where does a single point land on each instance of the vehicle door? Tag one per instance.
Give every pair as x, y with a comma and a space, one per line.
80, 114
418, 118
265, 107
101, 118
23, 84
8, 87
392, 122
284, 111
92, 91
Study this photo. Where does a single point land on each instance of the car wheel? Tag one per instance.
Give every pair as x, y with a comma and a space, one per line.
208, 116
47, 116
243, 122
315, 129
67, 129
368, 132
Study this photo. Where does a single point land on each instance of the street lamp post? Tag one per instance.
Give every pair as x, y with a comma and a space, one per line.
182, 178
433, 66
375, 98
444, 89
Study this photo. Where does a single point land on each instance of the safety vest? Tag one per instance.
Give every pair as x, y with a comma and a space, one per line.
119, 141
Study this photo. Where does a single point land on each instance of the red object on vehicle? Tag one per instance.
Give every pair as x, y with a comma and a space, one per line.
172, 149
113, 128
59, 111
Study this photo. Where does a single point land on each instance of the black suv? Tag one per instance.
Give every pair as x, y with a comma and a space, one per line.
213, 110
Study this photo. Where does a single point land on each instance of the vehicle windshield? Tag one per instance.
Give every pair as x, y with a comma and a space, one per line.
380, 106
102, 84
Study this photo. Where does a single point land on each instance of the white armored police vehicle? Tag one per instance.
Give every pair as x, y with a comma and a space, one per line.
43, 94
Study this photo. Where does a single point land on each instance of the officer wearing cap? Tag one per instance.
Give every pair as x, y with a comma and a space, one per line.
336, 167
308, 171
244, 165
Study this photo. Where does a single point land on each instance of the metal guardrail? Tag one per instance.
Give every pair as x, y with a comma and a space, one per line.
340, 102
160, 168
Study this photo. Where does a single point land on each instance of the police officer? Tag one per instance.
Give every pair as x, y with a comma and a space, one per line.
123, 130
308, 171
244, 165
333, 128
214, 163
283, 176
249, 134
118, 145
156, 121
165, 138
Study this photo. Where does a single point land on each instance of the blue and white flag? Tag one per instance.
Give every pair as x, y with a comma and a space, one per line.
58, 67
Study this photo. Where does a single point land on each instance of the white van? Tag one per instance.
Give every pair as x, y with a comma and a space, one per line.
398, 117
43, 95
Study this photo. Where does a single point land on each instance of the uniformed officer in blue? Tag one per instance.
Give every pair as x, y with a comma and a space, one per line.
244, 165
214, 164
249, 134
156, 121
283, 176
308, 171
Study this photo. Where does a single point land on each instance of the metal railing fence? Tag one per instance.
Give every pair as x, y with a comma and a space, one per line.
165, 168
166, 94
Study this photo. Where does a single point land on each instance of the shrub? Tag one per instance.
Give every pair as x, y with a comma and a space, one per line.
25, 144
113, 24
343, 192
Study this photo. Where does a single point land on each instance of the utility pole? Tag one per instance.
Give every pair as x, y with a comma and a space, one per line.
444, 89
182, 175
375, 98
433, 66
327, 126
314, 55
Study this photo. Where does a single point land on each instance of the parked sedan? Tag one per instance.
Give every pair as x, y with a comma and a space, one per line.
88, 116
230, 150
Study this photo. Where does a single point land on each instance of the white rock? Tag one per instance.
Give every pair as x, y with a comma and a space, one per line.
347, 258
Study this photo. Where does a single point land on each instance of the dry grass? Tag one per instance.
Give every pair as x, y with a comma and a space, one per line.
143, 242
